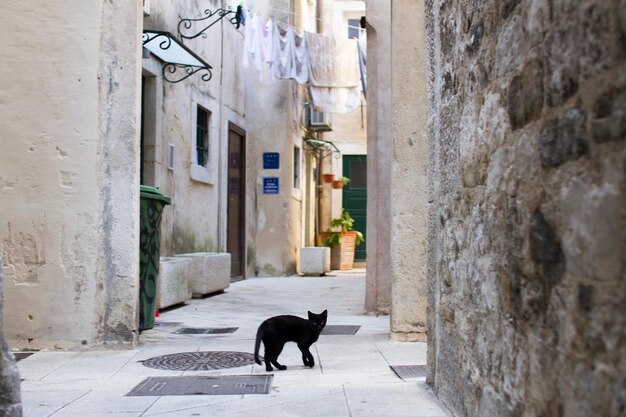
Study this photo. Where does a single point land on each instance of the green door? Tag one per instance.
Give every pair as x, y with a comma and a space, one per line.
355, 196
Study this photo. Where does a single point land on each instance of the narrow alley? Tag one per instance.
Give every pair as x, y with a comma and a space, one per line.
352, 375
447, 178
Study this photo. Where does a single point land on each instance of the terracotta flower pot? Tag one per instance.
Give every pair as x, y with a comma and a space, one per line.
328, 177
338, 184
342, 255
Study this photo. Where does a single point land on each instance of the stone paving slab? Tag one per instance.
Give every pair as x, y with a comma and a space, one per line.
352, 375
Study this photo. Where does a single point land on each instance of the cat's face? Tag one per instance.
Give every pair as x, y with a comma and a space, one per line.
318, 320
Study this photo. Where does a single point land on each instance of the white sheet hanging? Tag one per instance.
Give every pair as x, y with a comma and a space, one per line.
334, 74
290, 55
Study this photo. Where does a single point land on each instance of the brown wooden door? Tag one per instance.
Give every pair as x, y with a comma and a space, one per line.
236, 200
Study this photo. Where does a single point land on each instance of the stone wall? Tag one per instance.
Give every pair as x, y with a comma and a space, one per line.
527, 220
10, 405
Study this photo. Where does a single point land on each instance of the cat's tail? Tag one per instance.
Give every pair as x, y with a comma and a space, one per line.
257, 346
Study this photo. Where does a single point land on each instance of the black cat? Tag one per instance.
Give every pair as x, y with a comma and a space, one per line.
276, 331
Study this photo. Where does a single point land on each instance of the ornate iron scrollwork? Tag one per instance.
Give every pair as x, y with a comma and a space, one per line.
185, 25
166, 41
170, 72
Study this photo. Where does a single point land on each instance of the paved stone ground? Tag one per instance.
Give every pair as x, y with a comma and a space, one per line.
351, 377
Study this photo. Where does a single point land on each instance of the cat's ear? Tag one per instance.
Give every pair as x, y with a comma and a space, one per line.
311, 315
324, 314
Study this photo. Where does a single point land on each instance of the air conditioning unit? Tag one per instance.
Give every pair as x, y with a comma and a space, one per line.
317, 120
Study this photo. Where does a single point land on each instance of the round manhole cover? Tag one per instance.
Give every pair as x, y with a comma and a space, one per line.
200, 361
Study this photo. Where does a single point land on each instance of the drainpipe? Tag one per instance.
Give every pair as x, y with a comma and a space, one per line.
319, 190
319, 6
221, 245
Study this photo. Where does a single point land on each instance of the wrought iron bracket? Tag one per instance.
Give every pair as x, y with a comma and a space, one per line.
170, 71
211, 17
180, 62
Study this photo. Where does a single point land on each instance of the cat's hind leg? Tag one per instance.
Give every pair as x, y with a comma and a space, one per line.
271, 357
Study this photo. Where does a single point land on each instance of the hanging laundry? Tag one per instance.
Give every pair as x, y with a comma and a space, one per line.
258, 44
333, 73
249, 31
363, 65
291, 59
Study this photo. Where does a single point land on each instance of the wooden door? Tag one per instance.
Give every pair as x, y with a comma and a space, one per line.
236, 200
355, 196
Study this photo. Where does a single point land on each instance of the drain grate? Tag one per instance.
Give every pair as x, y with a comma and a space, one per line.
203, 385
167, 323
190, 330
340, 330
409, 371
200, 361
21, 355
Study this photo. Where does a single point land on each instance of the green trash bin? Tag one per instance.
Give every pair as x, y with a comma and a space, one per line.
151, 208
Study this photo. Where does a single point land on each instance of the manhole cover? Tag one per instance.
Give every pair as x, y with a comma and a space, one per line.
409, 371
189, 330
340, 330
203, 385
200, 361
21, 355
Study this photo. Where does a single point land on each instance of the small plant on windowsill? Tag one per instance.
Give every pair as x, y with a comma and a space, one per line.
342, 240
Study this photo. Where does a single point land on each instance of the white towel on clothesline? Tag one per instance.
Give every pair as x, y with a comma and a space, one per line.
291, 60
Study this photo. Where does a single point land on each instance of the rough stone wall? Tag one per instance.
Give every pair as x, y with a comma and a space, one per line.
527, 220
10, 405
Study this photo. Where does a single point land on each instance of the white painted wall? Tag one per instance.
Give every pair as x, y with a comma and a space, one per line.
69, 202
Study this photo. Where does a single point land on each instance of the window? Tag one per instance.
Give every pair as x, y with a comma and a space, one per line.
296, 167
354, 28
202, 136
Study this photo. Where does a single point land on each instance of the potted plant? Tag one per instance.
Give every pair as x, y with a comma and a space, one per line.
338, 184
328, 178
342, 240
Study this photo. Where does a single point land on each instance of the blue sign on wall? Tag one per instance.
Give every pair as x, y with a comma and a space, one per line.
270, 185
271, 160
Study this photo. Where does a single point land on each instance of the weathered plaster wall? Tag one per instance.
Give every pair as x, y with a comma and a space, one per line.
527, 221
10, 402
379, 138
409, 190
69, 173
274, 111
196, 220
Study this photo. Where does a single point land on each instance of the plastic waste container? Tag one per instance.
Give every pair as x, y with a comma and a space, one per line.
151, 208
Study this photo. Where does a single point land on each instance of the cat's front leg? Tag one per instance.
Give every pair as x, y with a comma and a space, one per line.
307, 358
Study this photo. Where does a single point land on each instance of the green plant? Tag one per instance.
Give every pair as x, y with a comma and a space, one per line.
345, 180
343, 223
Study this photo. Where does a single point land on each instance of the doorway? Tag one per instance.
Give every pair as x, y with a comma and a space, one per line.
355, 196
236, 201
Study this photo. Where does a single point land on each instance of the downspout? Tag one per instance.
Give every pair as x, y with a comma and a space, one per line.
318, 198
319, 6
221, 245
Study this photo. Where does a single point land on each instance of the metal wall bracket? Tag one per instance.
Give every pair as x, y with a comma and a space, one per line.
180, 62
212, 17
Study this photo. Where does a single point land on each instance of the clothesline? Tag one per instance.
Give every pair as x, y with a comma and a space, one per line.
301, 14
329, 66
